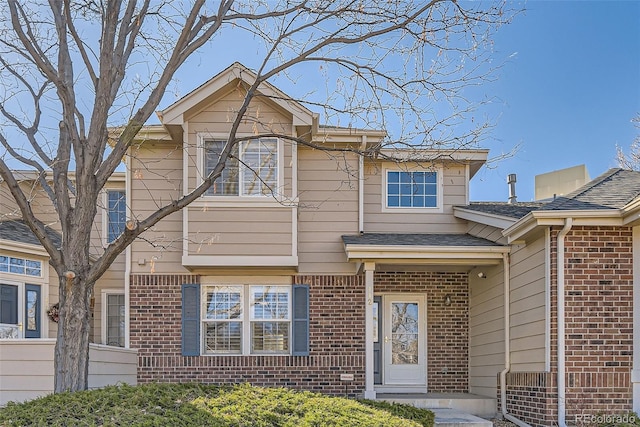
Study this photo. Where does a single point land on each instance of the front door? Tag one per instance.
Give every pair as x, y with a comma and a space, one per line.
404, 355
20, 311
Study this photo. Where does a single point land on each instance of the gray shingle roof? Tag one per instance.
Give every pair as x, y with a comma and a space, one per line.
511, 210
18, 231
392, 239
614, 189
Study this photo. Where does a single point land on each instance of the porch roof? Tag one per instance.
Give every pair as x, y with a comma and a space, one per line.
18, 231
423, 248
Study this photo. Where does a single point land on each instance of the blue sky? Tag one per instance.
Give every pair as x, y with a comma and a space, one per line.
567, 93
567, 90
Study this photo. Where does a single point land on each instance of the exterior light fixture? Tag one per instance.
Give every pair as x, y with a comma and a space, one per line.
447, 300
482, 275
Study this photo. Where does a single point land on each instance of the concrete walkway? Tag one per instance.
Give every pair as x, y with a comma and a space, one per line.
456, 418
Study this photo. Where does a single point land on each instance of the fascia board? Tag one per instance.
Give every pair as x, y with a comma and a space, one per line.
26, 248
417, 154
485, 218
592, 217
425, 252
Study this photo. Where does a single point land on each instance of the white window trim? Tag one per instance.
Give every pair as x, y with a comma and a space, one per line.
27, 251
245, 296
439, 208
105, 212
275, 199
103, 310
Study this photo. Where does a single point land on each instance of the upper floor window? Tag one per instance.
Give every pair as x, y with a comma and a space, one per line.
25, 267
253, 170
117, 214
412, 189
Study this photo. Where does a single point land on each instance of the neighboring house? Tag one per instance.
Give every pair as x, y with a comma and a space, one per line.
369, 277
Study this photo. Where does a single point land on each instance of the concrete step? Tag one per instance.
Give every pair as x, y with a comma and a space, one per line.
446, 417
480, 406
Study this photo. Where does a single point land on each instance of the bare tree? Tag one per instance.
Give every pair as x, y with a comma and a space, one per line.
631, 160
70, 70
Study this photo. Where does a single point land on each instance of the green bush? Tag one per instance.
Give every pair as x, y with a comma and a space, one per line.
205, 405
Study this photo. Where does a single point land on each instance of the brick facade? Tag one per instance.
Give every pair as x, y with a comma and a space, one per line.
598, 330
336, 330
336, 339
531, 397
447, 326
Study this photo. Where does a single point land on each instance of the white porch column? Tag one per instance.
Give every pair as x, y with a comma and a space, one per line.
369, 268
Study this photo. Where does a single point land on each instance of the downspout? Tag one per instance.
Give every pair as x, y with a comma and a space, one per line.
507, 344
363, 147
127, 262
568, 223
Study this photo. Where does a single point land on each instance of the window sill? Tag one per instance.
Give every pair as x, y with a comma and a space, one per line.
243, 355
386, 209
240, 201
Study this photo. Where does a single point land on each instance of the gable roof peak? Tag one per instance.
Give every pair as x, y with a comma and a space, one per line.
174, 113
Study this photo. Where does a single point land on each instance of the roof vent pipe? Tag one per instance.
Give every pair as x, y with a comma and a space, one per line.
511, 180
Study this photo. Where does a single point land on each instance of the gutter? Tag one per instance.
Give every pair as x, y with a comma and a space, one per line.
507, 345
561, 330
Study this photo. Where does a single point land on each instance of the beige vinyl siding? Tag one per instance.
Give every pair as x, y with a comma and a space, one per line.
528, 330
156, 180
216, 119
38, 200
454, 191
27, 369
486, 330
486, 232
259, 231
328, 209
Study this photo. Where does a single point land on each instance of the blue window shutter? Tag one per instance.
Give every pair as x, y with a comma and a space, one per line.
190, 320
300, 324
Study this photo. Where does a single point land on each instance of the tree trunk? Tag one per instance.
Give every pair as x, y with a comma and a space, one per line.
72, 346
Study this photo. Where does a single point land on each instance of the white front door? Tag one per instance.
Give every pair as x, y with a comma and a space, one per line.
404, 331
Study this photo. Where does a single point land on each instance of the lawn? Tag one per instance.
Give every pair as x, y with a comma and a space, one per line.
207, 405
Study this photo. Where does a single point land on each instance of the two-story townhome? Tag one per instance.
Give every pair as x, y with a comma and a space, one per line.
309, 266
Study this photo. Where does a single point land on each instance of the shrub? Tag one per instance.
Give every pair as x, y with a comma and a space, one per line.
206, 405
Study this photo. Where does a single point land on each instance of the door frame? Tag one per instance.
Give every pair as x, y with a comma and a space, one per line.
41, 321
384, 298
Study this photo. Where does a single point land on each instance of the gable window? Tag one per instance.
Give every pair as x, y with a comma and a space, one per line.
116, 214
253, 170
246, 319
412, 189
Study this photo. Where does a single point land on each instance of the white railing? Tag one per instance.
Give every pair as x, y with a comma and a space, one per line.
26, 368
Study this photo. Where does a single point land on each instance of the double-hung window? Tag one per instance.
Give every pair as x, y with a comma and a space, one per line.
116, 214
252, 169
115, 321
246, 319
412, 189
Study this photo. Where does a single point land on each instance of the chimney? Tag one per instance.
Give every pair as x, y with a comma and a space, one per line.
511, 180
